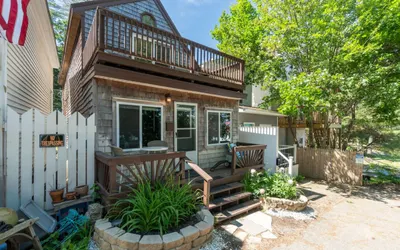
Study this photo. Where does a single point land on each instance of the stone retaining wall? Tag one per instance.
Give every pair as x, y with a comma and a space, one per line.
193, 237
285, 204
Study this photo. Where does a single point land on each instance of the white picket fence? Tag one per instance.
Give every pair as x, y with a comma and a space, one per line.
31, 171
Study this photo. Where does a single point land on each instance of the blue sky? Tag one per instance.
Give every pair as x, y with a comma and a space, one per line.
196, 18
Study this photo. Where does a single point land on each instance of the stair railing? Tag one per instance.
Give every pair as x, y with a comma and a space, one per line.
207, 180
288, 154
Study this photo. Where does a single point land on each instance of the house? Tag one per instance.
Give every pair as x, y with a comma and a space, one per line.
26, 73
126, 62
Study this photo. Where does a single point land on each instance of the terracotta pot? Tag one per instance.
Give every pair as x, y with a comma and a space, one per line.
57, 195
70, 195
82, 190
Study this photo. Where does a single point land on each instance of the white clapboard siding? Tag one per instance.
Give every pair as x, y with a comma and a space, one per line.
12, 174
49, 168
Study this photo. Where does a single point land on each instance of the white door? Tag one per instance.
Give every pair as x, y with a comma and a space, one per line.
186, 129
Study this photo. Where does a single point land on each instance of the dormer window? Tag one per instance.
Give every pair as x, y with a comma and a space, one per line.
149, 20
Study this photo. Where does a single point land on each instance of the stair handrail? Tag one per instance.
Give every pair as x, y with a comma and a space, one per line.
206, 177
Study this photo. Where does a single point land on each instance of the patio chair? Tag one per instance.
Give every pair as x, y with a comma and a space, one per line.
116, 151
157, 144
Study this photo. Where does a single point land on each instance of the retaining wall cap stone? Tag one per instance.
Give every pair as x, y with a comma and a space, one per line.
203, 227
99, 229
190, 233
172, 240
101, 221
111, 235
151, 242
209, 219
129, 241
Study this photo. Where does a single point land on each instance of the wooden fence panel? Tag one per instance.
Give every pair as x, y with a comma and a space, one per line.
12, 173
32, 171
27, 155
331, 165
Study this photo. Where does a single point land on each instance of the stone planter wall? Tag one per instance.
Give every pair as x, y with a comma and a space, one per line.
285, 204
193, 237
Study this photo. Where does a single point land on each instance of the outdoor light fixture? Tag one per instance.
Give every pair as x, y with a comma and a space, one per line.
168, 98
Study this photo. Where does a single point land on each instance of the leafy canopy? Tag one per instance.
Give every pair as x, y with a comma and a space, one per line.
319, 55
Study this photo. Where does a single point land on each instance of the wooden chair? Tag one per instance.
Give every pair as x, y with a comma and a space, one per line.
116, 151
157, 144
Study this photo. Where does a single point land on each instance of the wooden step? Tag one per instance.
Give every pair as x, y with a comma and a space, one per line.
228, 199
236, 210
225, 188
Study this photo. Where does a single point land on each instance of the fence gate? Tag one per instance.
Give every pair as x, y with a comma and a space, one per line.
31, 171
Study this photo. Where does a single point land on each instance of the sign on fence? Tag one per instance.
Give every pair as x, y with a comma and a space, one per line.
31, 170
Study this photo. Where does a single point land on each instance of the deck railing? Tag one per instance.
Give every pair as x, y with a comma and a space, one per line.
116, 33
249, 157
116, 174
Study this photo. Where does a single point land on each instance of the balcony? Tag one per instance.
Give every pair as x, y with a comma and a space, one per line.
156, 50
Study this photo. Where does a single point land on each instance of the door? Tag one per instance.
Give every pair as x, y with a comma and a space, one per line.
186, 129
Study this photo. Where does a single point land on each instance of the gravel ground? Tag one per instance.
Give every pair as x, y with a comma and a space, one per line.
307, 214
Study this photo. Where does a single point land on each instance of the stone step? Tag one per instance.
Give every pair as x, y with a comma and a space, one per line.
225, 188
236, 210
228, 199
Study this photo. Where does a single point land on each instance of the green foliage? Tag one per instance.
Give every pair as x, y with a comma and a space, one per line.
384, 175
158, 208
299, 178
329, 56
79, 241
263, 184
95, 192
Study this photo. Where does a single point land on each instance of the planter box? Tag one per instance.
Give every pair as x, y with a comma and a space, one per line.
285, 204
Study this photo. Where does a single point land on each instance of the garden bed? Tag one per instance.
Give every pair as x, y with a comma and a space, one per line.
189, 237
285, 204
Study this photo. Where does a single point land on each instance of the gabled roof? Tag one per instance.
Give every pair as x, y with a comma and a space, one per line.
74, 22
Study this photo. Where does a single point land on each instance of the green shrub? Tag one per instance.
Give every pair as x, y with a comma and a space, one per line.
263, 184
156, 208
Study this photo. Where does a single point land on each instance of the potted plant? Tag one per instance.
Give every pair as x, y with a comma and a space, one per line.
70, 195
56, 194
82, 190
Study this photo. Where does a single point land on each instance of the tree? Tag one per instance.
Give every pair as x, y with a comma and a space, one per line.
59, 11
314, 56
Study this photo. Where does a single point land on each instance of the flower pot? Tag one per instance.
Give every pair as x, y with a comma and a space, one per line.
57, 195
82, 190
70, 195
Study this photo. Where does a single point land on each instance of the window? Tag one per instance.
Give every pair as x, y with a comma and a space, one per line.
149, 20
218, 127
137, 125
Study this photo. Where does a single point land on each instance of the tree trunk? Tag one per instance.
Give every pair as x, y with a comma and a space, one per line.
290, 120
347, 134
311, 142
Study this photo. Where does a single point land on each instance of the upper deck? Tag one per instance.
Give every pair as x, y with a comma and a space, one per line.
117, 40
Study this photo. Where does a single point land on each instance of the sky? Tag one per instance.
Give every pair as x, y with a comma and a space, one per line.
195, 19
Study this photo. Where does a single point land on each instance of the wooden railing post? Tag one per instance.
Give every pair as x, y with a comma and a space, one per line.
206, 194
233, 162
290, 169
112, 183
192, 61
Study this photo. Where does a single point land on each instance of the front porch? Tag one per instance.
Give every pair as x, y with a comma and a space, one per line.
116, 175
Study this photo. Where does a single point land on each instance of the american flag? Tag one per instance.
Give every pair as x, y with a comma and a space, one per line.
14, 20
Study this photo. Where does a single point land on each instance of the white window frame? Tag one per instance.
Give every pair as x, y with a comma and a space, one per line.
219, 126
141, 105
